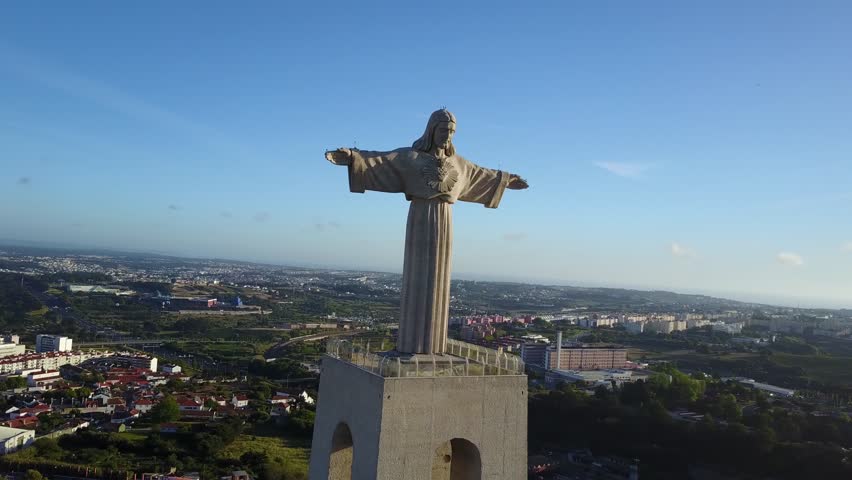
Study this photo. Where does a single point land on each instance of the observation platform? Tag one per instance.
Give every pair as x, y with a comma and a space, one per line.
461, 360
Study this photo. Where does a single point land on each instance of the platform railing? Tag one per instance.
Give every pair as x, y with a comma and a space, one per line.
462, 359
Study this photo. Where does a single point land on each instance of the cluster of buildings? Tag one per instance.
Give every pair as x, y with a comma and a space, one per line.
665, 322
128, 386
20, 422
51, 352
572, 357
582, 464
576, 363
825, 325
478, 327
486, 319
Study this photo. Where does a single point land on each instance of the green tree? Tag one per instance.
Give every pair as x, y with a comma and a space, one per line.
48, 449
728, 408
15, 382
302, 421
33, 475
165, 411
48, 422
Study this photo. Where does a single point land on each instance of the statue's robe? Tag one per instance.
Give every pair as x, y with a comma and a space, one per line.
432, 185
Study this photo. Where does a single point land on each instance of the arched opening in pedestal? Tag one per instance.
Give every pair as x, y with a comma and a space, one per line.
340, 461
457, 459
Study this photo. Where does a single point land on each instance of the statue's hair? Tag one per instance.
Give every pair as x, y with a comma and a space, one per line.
424, 143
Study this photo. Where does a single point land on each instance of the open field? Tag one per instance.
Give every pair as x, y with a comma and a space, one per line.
224, 351
823, 368
294, 455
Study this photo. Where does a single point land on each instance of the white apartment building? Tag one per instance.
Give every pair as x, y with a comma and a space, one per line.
10, 349
659, 326
171, 369
53, 343
138, 361
43, 379
696, 322
634, 327
43, 361
732, 328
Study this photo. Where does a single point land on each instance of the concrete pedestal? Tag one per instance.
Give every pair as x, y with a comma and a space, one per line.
418, 428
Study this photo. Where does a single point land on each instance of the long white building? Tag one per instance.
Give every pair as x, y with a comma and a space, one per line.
9, 349
43, 361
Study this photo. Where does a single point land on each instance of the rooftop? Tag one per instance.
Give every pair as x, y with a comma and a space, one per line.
6, 433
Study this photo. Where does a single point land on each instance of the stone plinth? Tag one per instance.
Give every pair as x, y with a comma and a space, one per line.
369, 426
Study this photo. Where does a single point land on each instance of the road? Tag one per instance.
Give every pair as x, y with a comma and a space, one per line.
152, 341
60, 305
270, 354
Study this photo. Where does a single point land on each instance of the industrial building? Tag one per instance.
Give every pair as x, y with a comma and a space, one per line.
594, 378
559, 357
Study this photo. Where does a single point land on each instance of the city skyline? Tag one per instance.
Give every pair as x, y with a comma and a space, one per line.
49, 249
698, 151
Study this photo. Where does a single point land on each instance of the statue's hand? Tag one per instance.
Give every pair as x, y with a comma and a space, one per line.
341, 156
517, 183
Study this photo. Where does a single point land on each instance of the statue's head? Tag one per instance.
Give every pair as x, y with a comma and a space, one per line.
439, 133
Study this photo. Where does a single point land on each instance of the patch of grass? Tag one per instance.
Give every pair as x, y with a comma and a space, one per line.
37, 313
823, 368
132, 436
283, 450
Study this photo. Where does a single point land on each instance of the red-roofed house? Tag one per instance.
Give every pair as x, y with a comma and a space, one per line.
26, 423
31, 411
168, 428
144, 405
187, 404
280, 399
124, 417
198, 414
240, 401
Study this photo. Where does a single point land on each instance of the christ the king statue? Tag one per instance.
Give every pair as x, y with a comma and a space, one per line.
433, 177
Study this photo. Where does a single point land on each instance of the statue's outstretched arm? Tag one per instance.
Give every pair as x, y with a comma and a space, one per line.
377, 171
486, 185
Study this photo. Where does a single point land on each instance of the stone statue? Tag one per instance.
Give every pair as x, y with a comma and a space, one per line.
433, 177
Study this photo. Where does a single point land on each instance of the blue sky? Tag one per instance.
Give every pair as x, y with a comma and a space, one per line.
699, 148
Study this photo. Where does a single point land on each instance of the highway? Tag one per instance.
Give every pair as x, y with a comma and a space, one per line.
305, 338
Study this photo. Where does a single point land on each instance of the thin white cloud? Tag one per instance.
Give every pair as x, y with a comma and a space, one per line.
624, 169
261, 217
681, 251
791, 259
847, 247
